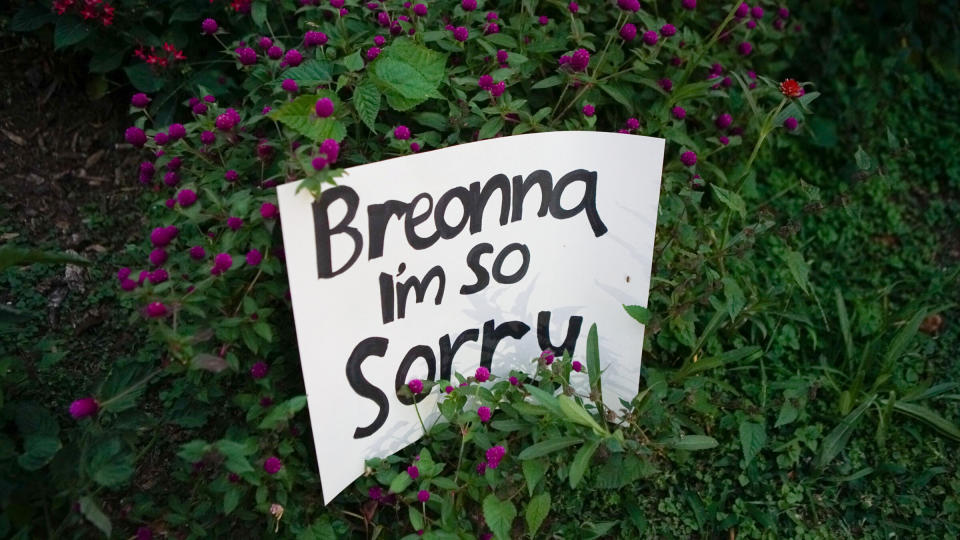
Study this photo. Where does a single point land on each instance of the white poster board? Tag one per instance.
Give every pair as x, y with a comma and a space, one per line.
572, 239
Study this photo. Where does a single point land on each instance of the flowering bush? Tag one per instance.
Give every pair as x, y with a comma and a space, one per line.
323, 85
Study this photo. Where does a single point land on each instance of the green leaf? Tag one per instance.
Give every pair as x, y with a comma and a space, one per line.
864, 163
70, 30
366, 100
107, 59
929, 417
143, 79
300, 115
549, 82
30, 17
258, 13
730, 199
408, 73
898, 345
416, 518
546, 447
692, 443
16, 256
639, 313
433, 120
109, 465
230, 500
90, 510
38, 451
310, 73
593, 359
113, 474
752, 438
837, 439
536, 512
263, 330
354, 62
533, 471
491, 127
620, 93
799, 269
236, 454
844, 324
185, 13
321, 529
788, 413
283, 412
499, 515
575, 412
581, 461
400, 482
546, 399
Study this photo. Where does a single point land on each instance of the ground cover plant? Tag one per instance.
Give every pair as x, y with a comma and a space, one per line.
769, 356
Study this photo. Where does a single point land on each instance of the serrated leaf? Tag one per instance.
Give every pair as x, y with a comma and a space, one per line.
90, 510
499, 515
236, 456
320, 530
752, 438
533, 471
366, 100
864, 163
581, 462
310, 73
788, 413
536, 512
70, 30
798, 269
113, 474
408, 73
730, 199
38, 451
30, 17
549, 446
639, 313
300, 115
282, 412
354, 62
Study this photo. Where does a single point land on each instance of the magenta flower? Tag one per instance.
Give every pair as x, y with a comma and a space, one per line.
254, 257
177, 131
498, 89
289, 85
679, 113
668, 30
264, 43
628, 32
379, 41
331, 149
186, 197
633, 123
588, 110
161, 138
247, 56
688, 158
448, 389
197, 252
135, 136
468, 5
128, 285
573, 7
161, 236
650, 37
375, 492
414, 147
783, 13
502, 56
423, 496
514, 381
415, 386
231, 176
225, 122
629, 5
723, 121
580, 60
234, 223
481, 468
742, 10
420, 10
401, 132
482, 374
751, 25
373, 53
495, 453
577, 366
324, 107
484, 413
275, 52
123, 273
724, 140
259, 370
790, 124
158, 276
314, 38
155, 310
293, 58
745, 48
268, 210
319, 163
208, 137
461, 33
209, 26
666, 84
756, 12
547, 356
272, 465
140, 100
485, 82
221, 263
83, 408
158, 257
413, 471
689, 4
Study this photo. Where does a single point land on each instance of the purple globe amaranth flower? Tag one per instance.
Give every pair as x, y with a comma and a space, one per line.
629, 5
413, 471
197, 252
492, 16
415, 386
650, 37
783, 13
140, 100
468, 5
423, 495
268, 210
259, 370
543, 20
492, 28
128, 285
723, 121
689, 4
272, 465
420, 10
247, 56
314, 38
751, 24
485, 81
401, 132
679, 112
264, 43
495, 453
161, 138
221, 263
231, 176
482, 374
158, 276
373, 53
324, 107
742, 10
484, 413
688, 158
209, 26
481, 467
123, 273
293, 58
577, 366
208, 137
177, 131
254, 257
547, 355
210, 99
514, 381
225, 122
275, 52
573, 7
502, 56
375, 492
628, 32
588, 110
498, 89
790, 123
756, 12
319, 163
161, 236
665, 84
778, 24
633, 123
135, 136
414, 147
289, 85
171, 178
155, 310
379, 41
186, 197
461, 33
668, 30
84, 407
724, 140
199, 109
234, 223
580, 60
745, 48
331, 149
158, 256
174, 164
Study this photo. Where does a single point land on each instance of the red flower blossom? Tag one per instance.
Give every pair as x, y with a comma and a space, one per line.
791, 88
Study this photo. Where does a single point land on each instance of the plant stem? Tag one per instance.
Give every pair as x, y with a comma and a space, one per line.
419, 417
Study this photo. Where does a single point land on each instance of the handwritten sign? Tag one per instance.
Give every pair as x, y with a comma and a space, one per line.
482, 254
